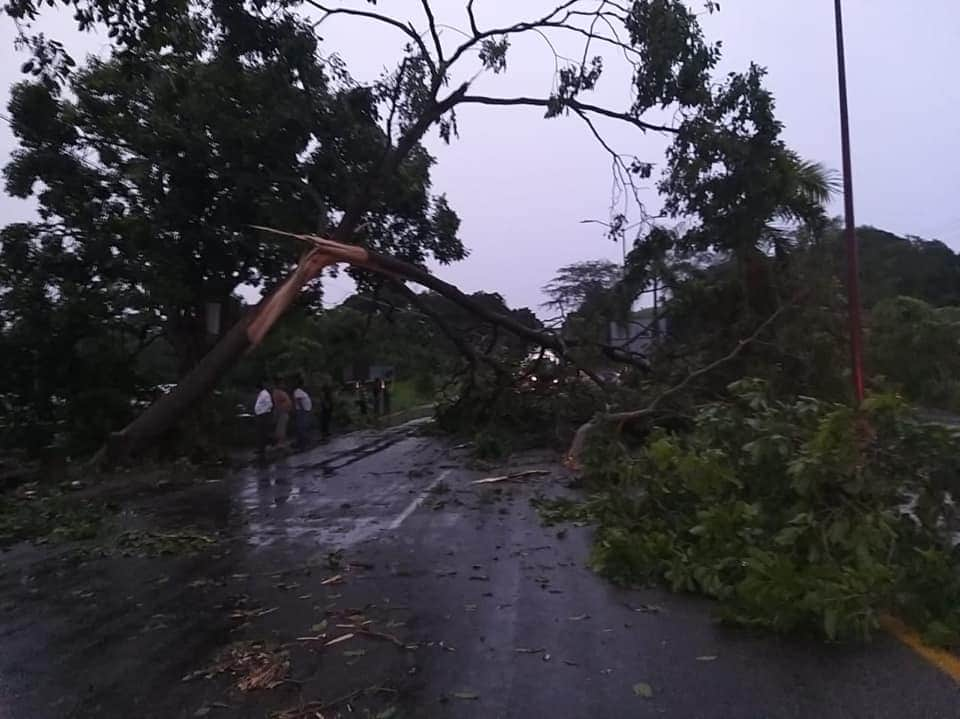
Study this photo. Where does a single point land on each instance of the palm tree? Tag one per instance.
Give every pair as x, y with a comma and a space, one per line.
808, 187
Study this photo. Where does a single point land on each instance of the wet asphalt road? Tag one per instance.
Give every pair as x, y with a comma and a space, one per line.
459, 603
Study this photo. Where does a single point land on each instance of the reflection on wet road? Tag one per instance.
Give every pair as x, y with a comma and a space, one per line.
370, 578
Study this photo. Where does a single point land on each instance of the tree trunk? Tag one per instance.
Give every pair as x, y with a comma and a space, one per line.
165, 412
252, 327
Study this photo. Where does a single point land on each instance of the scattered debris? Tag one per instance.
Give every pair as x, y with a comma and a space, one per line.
579, 618
255, 665
480, 578
468, 696
155, 544
312, 710
335, 579
642, 689
382, 635
644, 608
247, 614
201, 583
514, 475
525, 650
207, 708
341, 638
707, 658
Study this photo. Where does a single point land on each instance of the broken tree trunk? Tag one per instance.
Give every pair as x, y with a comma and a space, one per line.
250, 331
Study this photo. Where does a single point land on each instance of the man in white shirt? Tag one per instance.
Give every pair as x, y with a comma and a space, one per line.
263, 414
302, 407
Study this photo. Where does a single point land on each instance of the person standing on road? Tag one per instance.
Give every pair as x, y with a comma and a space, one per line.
361, 400
282, 405
263, 415
302, 407
386, 394
376, 389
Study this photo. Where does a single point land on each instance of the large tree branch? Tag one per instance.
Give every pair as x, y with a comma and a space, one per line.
325, 249
583, 433
471, 355
473, 19
405, 29
575, 105
431, 21
519, 27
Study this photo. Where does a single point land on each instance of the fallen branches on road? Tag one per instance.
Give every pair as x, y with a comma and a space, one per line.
511, 477
575, 452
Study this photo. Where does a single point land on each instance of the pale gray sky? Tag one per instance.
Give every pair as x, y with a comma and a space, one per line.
523, 184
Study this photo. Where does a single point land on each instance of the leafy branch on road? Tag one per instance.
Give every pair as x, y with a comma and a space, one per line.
798, 516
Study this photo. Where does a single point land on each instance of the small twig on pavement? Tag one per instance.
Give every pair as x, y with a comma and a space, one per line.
514, 475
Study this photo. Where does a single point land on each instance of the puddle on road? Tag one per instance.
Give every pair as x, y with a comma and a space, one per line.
302, 501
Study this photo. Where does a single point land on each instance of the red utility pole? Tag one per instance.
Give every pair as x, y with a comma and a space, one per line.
853, 254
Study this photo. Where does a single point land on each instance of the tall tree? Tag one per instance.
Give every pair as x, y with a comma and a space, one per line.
163, 160
729, 169
667, 57
575, 284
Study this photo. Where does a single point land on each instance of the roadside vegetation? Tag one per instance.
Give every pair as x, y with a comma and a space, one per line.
714, 427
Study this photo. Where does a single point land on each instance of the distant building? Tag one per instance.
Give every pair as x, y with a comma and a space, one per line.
637, 334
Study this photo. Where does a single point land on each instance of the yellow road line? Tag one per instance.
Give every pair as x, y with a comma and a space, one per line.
947, 662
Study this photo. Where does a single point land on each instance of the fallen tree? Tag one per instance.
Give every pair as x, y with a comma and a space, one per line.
602, 420
671, 70
251, 330
797, 515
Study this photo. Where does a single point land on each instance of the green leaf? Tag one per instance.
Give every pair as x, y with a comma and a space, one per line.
642, 689
830, 618
788, 536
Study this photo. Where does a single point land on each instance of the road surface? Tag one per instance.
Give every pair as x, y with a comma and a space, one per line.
369, 577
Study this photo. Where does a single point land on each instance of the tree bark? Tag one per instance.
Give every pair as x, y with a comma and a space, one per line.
251, 329
165, 412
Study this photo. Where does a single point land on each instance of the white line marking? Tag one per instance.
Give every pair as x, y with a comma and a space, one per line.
412, 507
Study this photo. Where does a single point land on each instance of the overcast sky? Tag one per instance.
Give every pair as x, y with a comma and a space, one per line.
522, 184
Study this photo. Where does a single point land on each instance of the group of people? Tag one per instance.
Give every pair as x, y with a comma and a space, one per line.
373, 394
275, 405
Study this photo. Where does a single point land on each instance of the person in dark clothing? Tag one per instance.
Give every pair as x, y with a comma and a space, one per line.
361, 399
326, 410
376, 389
386, 396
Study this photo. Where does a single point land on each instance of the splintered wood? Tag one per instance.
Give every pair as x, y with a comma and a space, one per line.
511, 477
